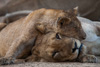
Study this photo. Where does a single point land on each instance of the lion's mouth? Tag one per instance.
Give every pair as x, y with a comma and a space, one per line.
79, 50
56, 55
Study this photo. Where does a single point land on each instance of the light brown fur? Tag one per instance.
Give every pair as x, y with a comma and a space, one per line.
22, 34
52, 49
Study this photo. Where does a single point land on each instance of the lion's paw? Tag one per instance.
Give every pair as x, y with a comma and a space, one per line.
6, 61
89, 59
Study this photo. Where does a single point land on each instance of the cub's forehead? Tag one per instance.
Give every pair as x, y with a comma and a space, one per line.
47, 16
50, 13
54, 12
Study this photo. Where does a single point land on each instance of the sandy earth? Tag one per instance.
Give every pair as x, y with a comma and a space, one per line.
48, 64
55, 64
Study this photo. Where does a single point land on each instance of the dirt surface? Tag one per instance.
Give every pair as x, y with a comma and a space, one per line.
48, 64
55, 64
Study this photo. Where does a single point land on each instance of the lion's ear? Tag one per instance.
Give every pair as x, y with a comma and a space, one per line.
40, 27
62, 22
74, 11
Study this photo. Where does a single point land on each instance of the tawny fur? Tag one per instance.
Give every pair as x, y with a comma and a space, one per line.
20, 35
36, 28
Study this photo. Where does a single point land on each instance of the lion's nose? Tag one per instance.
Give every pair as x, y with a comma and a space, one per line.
75, 47
83, 36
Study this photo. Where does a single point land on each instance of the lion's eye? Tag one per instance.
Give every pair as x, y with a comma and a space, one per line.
62, 22
58, 36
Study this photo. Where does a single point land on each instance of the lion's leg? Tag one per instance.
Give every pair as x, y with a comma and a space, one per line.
88, 59
32, 58
17, 61
17, 47
85, 57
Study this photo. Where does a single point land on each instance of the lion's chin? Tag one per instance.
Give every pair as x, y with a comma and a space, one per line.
75, 58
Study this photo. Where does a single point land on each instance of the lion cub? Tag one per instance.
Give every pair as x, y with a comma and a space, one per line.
47, 34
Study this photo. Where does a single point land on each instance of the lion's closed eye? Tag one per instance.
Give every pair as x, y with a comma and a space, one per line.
58, 36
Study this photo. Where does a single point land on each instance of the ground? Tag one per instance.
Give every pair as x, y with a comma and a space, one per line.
55, 64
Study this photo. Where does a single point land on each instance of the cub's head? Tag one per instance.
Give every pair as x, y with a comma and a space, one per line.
55, 47
63, 22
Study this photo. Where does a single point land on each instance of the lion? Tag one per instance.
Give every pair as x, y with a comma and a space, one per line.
18, 38
60, 49
92, 30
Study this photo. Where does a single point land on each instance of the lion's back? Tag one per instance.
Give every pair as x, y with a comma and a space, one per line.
8, 35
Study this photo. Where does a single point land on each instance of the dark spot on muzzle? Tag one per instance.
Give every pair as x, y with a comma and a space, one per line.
74, 49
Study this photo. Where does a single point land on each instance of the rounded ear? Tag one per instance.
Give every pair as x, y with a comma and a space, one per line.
75, 10
63, 21
40, 27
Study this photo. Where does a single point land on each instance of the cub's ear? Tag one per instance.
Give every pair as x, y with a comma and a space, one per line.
62, 22
40, 27
74, 10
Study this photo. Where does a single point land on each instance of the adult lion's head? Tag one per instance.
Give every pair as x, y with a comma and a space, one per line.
55, 47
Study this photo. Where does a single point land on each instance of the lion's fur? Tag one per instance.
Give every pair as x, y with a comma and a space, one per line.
45, 49
92, 30
22, 34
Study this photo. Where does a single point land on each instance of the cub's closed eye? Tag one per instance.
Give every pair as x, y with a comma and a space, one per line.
58, 36
62, 22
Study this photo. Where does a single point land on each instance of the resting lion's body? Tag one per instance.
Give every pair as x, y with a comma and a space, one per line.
7, 41
92, 30
51, 35
18, 38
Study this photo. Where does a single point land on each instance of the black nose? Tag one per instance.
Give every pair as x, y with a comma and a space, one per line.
75, 47
83, 37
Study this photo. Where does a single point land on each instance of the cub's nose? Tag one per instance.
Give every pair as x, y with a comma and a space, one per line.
75, 47
83, 37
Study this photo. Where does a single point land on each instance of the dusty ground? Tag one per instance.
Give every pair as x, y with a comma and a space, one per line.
48, 64
57, 64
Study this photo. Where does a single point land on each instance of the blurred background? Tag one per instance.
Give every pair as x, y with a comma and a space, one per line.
87, 8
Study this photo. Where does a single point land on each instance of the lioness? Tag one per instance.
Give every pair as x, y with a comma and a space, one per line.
18, 38
92, 30
63, 48
57, 48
